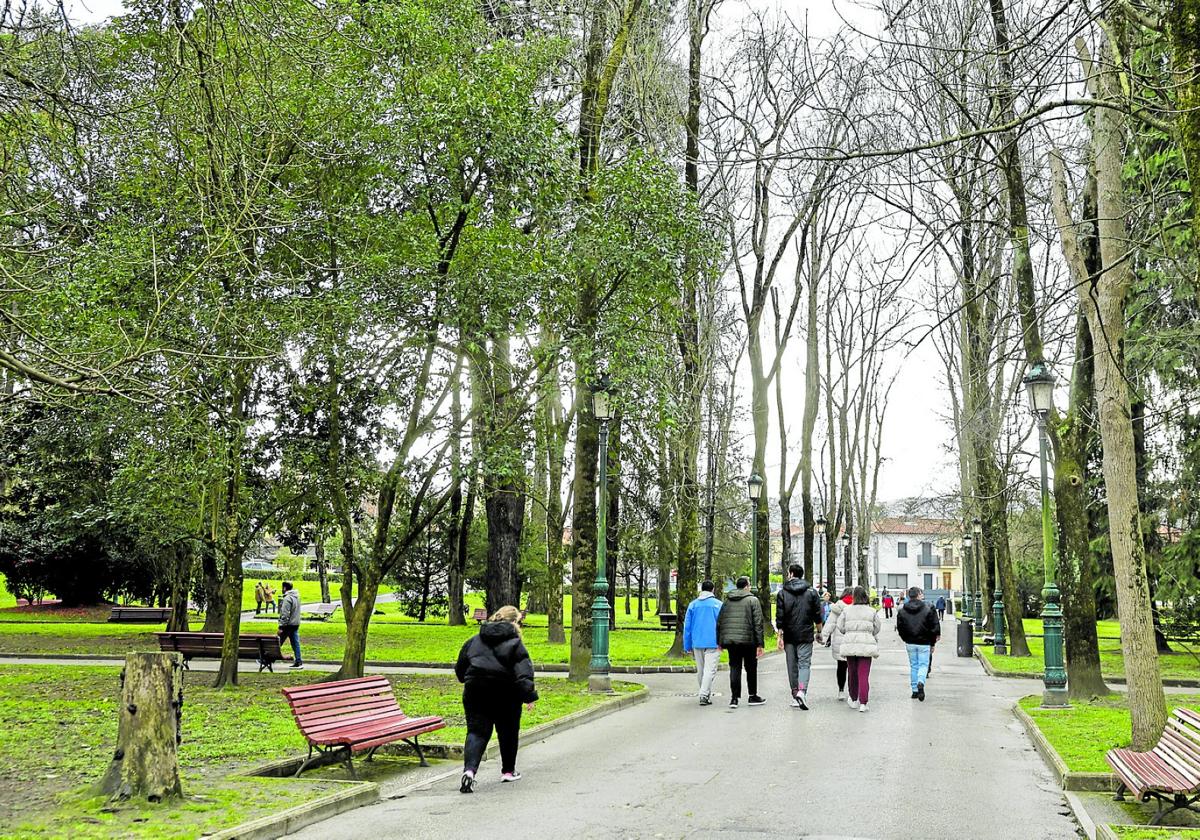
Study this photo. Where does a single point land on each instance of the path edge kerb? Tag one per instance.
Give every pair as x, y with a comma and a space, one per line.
1067, 779
367, 793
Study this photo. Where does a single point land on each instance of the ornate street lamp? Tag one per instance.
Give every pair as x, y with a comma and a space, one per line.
821, 523
844, 539
599, 680
978, 544
1039, 385
754, 486
968, 573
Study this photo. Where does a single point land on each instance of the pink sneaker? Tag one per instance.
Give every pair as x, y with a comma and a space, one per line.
510, 777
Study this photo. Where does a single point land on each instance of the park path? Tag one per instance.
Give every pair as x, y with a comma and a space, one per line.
957, 765
250, 615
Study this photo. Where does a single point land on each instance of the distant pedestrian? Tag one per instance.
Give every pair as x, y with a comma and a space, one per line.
889, 604
832, 637
497, 677
826, 603
940, 603
289, 621
740, 631
259, 597
920, 629
269, 598
798, 617
700, 638
859, 625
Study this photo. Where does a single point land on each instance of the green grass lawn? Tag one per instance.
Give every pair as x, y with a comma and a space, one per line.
1083, 733
1128, 832
1110, 628
387, 642
60, 725
1179, 665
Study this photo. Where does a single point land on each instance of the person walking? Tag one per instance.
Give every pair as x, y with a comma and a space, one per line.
700, 638
831, 637
797, 613
940, 603
289, 621
740, 631
859, 625
889, 603
259, 597
497, 676
919, 629
269, 598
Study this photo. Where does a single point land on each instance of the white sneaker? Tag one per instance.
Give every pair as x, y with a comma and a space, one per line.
795, 704
841, 696
853, 704
862, 707
802, 696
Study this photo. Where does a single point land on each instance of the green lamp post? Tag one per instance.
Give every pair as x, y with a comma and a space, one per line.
599, 680
754, 486
998, 609
1039, 385
978, 544
968, 573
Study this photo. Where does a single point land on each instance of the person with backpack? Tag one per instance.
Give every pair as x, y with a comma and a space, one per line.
797, 613
289, 621
859, 625
700, 638
740, 631
497, 676
919, 629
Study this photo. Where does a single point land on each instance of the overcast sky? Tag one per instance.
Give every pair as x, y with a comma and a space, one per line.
916, 434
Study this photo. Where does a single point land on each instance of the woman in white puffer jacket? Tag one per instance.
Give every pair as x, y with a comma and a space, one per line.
859, 625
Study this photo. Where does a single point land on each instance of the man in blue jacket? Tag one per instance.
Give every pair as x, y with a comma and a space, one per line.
700, 638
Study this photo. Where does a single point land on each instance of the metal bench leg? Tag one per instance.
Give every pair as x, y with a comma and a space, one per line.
1180, 803
1119, 796
304, 764
350, 764
371, 754
415, 743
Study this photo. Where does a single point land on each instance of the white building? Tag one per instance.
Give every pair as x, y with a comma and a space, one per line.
916, 552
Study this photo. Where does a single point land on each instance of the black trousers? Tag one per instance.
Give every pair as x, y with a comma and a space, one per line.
841, 675
742, 656
887, 612
488, 708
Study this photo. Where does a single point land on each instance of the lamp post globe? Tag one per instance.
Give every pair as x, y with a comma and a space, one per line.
1039, 386
599, 678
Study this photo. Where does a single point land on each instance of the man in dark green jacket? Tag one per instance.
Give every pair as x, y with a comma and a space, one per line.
740, 631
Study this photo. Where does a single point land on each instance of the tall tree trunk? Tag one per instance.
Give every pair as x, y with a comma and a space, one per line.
663, 535
145, 764
322, 569
759, 411
556, 443
181, 576
456, 614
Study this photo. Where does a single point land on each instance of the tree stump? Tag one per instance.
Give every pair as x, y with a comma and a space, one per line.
145, 764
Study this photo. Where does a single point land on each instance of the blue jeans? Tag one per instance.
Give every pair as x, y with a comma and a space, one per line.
292, 632
918, 664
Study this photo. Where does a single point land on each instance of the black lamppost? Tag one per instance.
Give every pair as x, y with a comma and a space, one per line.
820, 534
844, 539
978, 544
599, 680
754, 486
968, 573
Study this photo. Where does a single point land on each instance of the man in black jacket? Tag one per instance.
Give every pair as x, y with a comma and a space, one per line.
797, 612
919, 628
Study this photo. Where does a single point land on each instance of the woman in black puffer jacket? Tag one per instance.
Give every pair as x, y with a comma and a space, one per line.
498, 677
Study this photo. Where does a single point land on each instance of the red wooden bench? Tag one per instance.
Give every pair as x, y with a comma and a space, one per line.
480, 615
350, 716
1169, 773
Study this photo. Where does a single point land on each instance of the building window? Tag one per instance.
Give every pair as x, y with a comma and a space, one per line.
895, 581
948, 556
928, 582
927, 552
901, 549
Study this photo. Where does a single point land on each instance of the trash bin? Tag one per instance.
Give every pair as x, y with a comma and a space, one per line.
966, 637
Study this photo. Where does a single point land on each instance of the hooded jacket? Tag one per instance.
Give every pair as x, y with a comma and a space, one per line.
289, 609
700, 623
859, 625
830, 633
740, 621
797, 609
497, 657
917, 623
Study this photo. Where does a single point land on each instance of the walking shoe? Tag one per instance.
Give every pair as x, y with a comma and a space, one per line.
704, 701
921, 692
733, 703
914, 696
802, 699
851, 702
841, 696
514, 776
755, 700
296, 665
795, 704
467, 783
862, 707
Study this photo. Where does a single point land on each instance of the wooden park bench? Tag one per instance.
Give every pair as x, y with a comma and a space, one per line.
148, 615
481, 615
1169, 773
319, 611
263, 649
668, 620
350, 716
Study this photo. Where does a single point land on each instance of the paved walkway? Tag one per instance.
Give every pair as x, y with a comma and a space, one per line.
957, 765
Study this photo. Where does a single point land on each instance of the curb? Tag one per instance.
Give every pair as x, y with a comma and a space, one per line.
1170, 682
1104, 832
286, 822
1068, 780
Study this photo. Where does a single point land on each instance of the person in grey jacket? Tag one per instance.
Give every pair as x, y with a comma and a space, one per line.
740, 631
289, 621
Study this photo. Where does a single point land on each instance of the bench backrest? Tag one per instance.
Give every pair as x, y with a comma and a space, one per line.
479, 614
1180, 743
332, 705
209, 644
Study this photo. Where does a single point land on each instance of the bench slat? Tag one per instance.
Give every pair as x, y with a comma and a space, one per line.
392, 729
310, 700
348, 707
339, 687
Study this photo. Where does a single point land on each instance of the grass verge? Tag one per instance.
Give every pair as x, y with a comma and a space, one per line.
1082, 734
1177, 665
1132, 832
